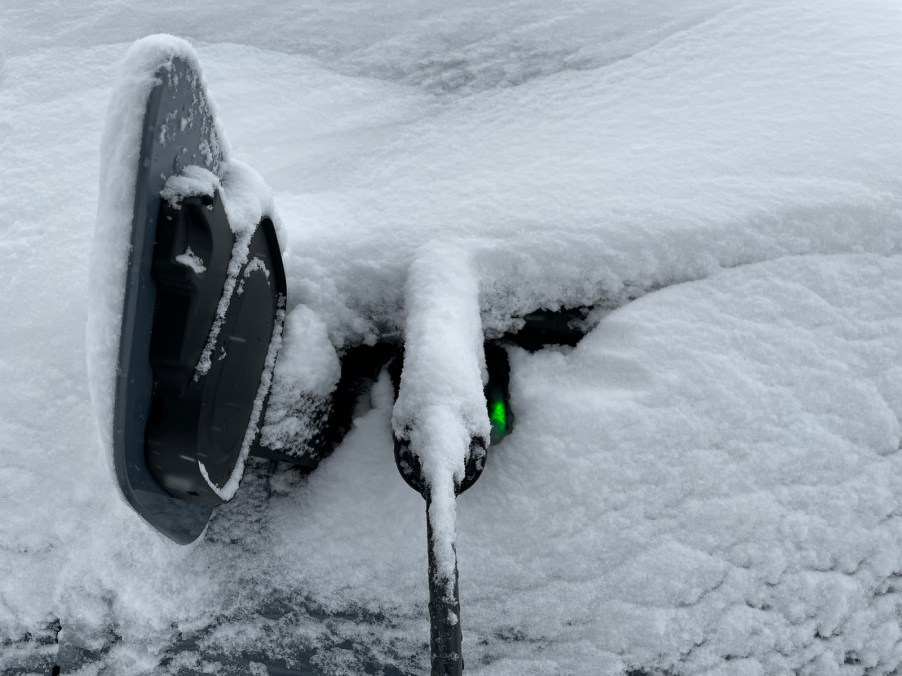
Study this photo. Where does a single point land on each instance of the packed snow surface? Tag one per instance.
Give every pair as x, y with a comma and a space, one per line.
708, 484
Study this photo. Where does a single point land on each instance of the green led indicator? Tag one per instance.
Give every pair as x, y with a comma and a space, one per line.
498, 415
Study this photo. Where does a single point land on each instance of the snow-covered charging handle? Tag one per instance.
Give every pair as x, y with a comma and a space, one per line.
440, 422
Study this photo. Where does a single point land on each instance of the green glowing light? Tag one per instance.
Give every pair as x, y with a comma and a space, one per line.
498, 415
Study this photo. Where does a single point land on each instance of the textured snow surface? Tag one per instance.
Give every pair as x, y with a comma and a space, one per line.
308, 371
708, 484
191, 260
193, 180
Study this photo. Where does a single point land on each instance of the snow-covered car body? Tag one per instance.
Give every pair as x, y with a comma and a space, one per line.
707, 483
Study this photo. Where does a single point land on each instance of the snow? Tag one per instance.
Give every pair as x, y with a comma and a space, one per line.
308, 371
193, 180
191, 260
707, 484
742, 512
